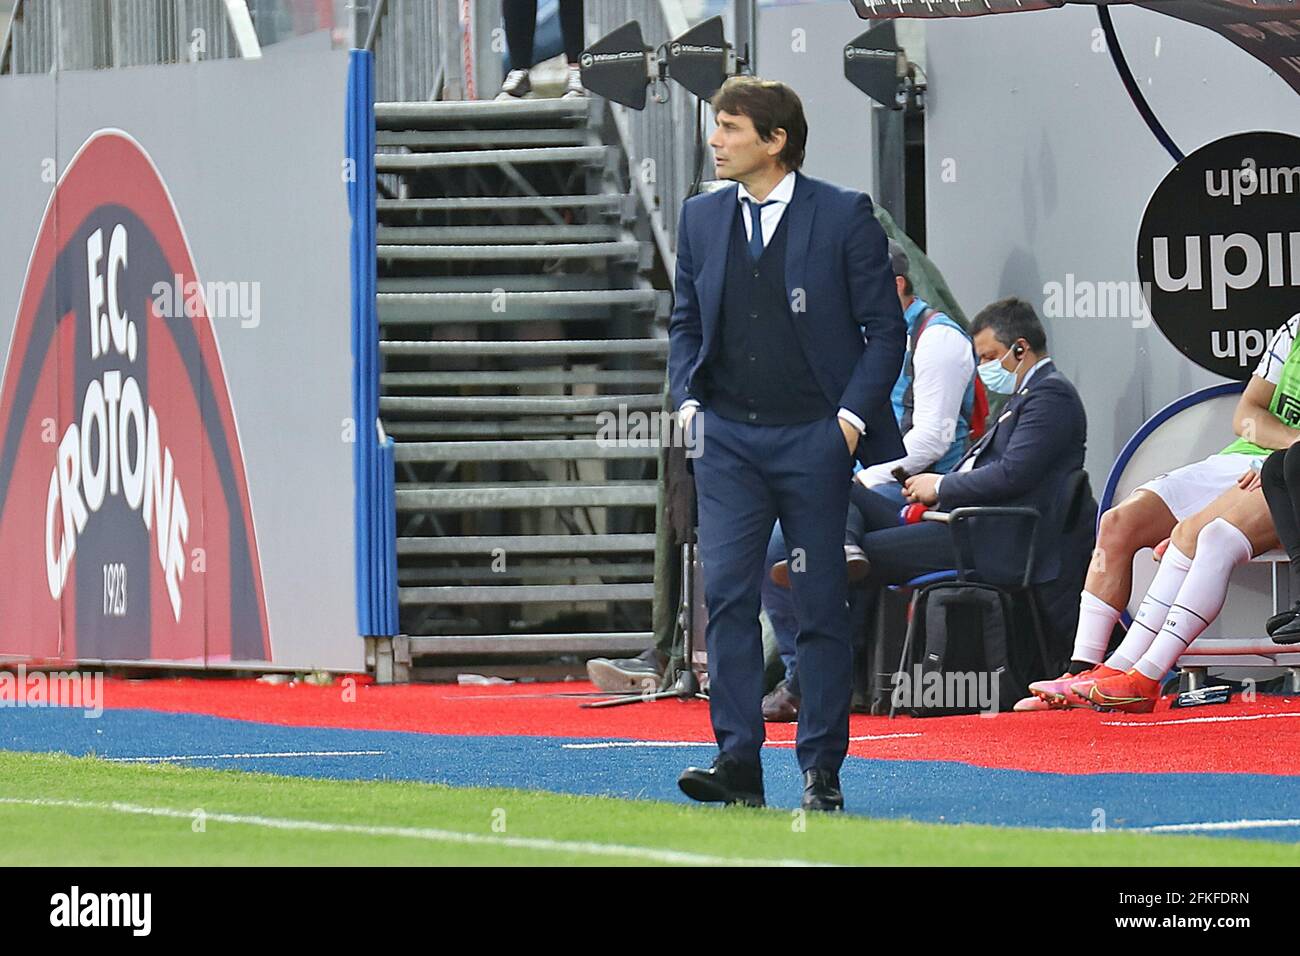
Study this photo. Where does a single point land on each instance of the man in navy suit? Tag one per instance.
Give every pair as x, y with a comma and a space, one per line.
1023, 459
785, 340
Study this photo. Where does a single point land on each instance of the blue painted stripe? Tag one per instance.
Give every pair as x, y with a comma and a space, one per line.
374, 504
929, 791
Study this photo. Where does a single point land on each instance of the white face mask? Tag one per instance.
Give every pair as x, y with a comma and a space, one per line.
995, 376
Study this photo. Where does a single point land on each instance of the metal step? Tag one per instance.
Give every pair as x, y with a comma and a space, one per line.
657, 347
537, 282
582, 425
477, 235
461, 138
415, 162
582, 375
563, 450
517, 544
483, 573
525, 594
629, 249
438, 307
606, 202
449, 238
474, 496
460, 114
516, 405
619, 643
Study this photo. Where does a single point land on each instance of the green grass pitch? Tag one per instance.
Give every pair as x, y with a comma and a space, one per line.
86, 811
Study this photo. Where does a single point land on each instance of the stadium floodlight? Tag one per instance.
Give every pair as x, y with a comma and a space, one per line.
620, 67
877, 65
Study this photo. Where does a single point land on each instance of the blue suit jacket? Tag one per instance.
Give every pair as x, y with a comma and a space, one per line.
839, 284
1024, 459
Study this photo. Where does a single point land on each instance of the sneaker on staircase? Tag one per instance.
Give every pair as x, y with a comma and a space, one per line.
573, 88
517, 85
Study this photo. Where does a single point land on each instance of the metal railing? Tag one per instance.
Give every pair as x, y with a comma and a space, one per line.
422, 51
659, 140
45, 35
432, 49
412, 41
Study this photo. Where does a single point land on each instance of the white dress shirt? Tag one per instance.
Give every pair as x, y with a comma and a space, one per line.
942, 366
770, 215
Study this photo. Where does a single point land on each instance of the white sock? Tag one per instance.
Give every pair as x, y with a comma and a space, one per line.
1220, 547
1153, 610
1096, 623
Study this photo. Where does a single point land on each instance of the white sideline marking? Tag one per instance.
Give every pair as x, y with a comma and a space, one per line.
1218, 825
1192, 720
610, 744
301, 753
421, 833
791, 743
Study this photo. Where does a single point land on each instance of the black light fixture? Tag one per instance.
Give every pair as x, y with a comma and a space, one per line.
877, 65
620, 67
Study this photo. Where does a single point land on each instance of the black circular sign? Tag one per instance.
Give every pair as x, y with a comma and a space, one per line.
1219, 250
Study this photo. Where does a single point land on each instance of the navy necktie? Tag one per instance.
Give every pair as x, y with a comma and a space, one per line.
756, 227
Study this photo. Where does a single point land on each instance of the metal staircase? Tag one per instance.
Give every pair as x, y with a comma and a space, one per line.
518, 334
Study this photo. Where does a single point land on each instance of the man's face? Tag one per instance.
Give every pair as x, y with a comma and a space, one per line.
900, 283
988, 348
737, 149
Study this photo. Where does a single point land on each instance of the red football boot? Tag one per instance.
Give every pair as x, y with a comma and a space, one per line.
1132, 692
1059, 693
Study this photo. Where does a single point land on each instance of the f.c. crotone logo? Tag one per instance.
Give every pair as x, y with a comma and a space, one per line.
126, 531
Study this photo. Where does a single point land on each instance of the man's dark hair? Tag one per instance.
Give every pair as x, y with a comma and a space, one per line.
1010, 320
770, 105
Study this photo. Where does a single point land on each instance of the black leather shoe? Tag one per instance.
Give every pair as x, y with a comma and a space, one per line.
781, 706
855, 561
1288, 633
1281, 619
821, 791
727, 781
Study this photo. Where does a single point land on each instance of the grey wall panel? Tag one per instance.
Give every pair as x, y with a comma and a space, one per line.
1053, 168
803, 45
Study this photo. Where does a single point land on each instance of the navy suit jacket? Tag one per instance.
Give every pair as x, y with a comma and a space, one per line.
839, 285
1023, 461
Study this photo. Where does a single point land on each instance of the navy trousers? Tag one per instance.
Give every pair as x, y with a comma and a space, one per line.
746, 478
779, 603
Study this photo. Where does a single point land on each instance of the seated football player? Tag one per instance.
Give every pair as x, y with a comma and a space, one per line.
1266, 419
1185, 597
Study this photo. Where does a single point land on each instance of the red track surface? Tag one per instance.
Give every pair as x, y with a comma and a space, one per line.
1059, 742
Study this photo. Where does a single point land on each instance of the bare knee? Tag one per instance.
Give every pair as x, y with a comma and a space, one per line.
1121, 530
1184, 537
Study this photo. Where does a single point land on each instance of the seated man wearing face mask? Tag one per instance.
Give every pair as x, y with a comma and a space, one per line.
1022, 459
